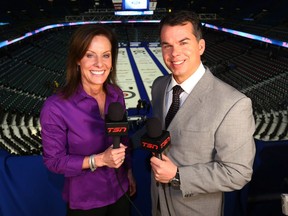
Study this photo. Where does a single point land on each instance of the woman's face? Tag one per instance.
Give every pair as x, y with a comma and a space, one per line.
96, 63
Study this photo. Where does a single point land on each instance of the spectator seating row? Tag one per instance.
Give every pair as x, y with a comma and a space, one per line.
262, 76
28, 75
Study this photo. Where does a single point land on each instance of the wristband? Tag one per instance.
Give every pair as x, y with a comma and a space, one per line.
92, 164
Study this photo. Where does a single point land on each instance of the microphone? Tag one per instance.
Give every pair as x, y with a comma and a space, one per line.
116, 123
156, 140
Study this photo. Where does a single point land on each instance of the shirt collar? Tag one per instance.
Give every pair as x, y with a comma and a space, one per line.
190, 83
80, 94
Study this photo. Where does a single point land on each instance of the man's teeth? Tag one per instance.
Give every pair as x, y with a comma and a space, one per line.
178, 62
97, 72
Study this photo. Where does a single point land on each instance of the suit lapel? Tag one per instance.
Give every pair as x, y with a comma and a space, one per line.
195, 99
159, 102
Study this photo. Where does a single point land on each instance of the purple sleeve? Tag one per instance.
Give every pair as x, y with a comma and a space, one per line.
54, 141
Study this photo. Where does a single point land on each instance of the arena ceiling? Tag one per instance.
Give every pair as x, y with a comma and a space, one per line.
225, 8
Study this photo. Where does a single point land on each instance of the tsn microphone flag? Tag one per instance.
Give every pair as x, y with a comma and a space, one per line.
156, 140
116, 123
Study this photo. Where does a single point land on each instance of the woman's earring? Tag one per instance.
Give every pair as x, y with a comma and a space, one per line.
111, 69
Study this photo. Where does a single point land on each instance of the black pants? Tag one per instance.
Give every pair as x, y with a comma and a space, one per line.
121, 207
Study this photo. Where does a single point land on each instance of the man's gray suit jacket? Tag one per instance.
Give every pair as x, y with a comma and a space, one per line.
212, 144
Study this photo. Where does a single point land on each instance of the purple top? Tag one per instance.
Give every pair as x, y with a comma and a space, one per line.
73, 129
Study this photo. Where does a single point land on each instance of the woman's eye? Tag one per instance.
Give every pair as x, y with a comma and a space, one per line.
88, 55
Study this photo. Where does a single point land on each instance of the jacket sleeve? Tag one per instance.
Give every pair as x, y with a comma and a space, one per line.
233, 156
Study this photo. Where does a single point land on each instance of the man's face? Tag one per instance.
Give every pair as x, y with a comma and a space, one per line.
181, 51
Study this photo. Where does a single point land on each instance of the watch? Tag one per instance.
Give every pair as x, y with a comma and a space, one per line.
175, 182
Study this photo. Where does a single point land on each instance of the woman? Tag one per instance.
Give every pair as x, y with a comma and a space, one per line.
75, 143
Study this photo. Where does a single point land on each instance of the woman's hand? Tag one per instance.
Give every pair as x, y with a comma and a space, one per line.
114, 158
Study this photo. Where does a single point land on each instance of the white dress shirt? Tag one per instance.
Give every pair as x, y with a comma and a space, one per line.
187, 86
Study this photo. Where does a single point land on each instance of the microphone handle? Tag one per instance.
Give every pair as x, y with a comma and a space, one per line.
116, 142
159, 156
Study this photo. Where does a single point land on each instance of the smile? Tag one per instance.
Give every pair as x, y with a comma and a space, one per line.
98, 72
178, 62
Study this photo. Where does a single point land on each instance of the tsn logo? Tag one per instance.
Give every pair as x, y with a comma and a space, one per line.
116, 129
156, 147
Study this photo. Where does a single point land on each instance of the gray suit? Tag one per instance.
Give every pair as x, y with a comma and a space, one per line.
211, 143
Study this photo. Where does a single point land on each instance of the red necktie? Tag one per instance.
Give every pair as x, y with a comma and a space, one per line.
177, 90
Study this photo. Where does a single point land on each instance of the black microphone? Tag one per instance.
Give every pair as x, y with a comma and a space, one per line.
116, 123
156, 140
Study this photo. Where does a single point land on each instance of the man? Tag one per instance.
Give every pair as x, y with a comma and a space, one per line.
212, 147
